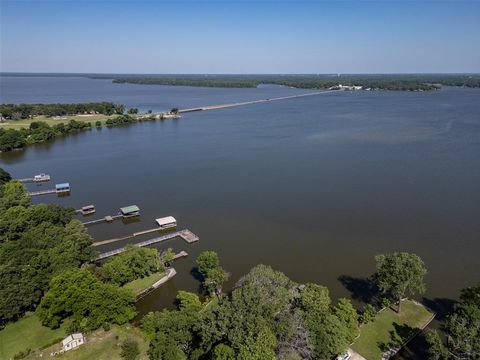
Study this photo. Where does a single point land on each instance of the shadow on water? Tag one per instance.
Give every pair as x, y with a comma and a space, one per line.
441, 306
361, 289
196, 274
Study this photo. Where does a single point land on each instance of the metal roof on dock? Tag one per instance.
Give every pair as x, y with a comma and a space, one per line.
129, 209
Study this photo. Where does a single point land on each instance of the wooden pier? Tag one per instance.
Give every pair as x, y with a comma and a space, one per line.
107, 218
186, 235
180, 255
42, 192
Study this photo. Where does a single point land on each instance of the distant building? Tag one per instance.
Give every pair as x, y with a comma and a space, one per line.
73, 341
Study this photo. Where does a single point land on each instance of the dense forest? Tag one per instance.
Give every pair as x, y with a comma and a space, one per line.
413, 82
25, 111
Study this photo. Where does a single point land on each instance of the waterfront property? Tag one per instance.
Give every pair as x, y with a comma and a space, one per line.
130, 211
166, 222
390, 331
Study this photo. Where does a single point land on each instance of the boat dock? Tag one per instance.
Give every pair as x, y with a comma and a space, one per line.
60, 189
42, 192
108, 218
37, 178
180, 255
185, 234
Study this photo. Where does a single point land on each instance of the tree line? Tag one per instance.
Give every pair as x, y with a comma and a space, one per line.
26, 111
40, 131
401, 82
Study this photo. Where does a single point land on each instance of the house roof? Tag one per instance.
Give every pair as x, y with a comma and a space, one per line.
129, 209
165, 220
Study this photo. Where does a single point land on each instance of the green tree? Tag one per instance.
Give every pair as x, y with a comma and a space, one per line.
167, 256
345, 312
189, 301
315, 299
132, 264
215, 279
13, 193
259, 347
206, 261
223, 352
130, 349
162, 347
328, 335
4, 177
174, 111
368, 314
79, 294
462, 328
132, 111
399, 273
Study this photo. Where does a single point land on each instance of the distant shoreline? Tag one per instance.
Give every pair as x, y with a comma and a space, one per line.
397, 82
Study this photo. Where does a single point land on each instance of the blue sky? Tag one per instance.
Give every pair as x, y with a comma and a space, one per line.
240, 36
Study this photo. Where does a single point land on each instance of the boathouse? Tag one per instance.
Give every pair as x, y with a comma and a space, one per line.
166, 222
87, 209
41, 177
129, 211
61, 188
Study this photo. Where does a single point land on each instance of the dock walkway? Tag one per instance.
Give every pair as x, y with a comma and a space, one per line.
42, 192
185, 234
107, 218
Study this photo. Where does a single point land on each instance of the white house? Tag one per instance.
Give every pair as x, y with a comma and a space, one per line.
73, 341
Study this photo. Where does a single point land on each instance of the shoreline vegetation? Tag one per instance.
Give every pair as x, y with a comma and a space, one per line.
399, 82
29, 124
414, 82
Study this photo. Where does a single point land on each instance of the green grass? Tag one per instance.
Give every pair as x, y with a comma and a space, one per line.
139, 285
27, 333
25, 123
390, 329
100, 345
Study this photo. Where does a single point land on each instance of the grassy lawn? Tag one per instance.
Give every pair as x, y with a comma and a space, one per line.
139, 285
390, 329
25, 123
100, 345
27, 333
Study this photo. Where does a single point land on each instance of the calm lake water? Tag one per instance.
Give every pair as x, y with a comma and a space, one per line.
313, 186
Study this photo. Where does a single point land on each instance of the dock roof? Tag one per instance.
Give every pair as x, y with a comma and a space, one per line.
129, 209
62, 186
166, 220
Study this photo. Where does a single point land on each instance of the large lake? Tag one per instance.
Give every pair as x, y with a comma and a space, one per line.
313, 186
